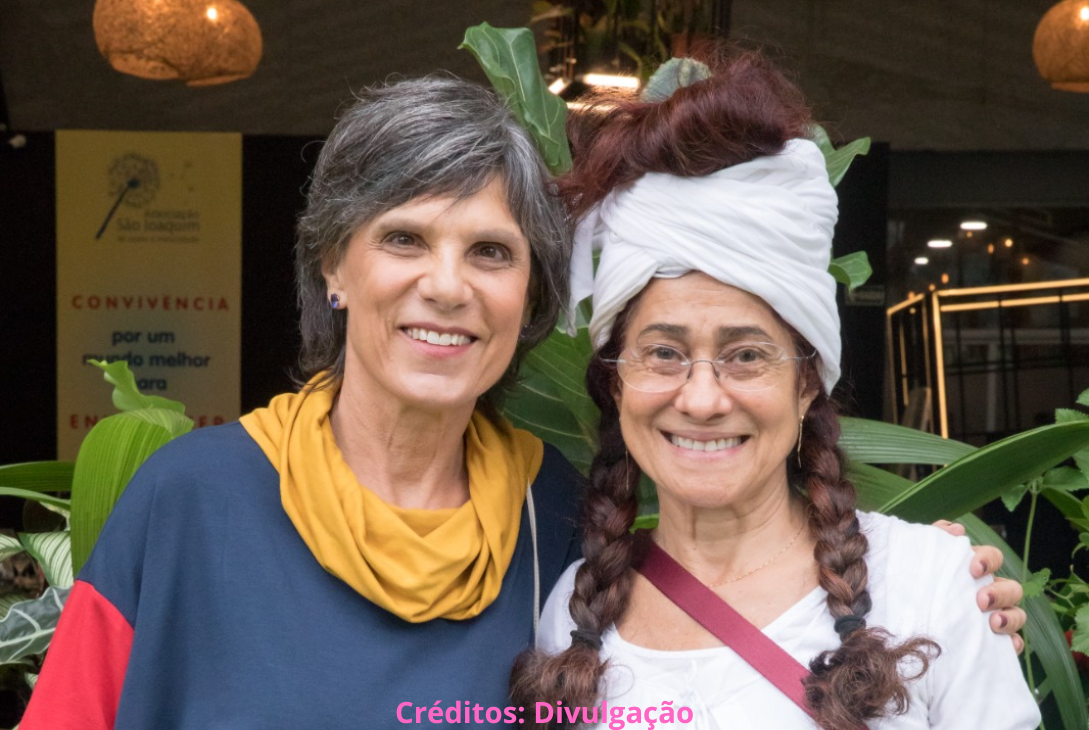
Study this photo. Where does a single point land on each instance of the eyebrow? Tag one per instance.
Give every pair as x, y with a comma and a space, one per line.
723, 334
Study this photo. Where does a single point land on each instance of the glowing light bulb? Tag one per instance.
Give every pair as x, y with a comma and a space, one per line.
939, 243
945, 278
1009, 243
1084, 13
212, 13
922, 260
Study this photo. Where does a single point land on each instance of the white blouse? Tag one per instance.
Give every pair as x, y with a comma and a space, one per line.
975, 683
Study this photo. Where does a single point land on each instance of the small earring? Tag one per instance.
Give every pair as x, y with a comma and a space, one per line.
334, 300
801, 422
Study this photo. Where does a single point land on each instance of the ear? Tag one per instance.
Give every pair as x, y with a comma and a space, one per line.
333, 276
805, 400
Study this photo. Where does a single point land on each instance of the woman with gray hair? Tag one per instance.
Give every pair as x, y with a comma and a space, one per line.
371, 550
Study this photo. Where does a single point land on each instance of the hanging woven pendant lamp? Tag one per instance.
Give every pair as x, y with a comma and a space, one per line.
1061, 46
200, 42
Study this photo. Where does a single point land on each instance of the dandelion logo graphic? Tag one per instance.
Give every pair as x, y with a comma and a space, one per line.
134, 180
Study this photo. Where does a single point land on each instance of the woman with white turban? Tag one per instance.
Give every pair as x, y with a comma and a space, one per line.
763, 599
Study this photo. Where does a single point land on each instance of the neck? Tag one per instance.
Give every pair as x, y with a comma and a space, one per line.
407, 456
725, 543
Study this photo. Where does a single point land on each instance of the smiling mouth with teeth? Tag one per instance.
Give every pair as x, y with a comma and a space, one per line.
712, 445
444, 339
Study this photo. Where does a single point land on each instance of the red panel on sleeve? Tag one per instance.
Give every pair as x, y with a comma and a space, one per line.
80, 683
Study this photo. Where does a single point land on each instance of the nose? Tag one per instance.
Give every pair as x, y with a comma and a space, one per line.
703, 397
444, 281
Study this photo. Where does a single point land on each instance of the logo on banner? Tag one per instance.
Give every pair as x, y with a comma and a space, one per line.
133, 180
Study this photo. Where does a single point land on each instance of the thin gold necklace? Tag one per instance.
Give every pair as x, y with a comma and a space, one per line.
758, 568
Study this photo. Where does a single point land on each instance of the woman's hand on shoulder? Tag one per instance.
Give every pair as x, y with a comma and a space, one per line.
1002, 597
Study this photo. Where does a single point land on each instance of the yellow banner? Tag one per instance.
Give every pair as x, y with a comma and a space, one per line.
149, 270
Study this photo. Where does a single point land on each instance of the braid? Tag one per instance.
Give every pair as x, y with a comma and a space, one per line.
861, 680
603, 582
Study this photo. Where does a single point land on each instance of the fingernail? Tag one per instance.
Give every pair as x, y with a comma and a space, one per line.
990, 604
986, 567
1002, 620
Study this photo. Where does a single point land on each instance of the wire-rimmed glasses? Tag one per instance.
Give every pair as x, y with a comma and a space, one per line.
742, 366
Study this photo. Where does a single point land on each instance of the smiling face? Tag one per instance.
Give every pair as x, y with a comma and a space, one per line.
435, 292
705, 444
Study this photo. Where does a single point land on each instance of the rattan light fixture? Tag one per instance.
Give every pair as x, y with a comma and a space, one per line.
1061, 46
200, 42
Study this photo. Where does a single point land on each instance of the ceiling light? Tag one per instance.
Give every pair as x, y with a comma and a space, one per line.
973, 225
945, 278
940, 243
194, 41
1060, 46
1008, 242
612, 81
922, 261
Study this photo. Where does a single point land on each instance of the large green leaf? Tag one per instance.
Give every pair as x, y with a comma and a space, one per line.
38, 476
509, 58
28, 627
983, 475
852, 270
552, 401
877, 442
60, 503
10, 546
109, 456
1042, 632
126, 396
53, 551
6, 602
838, 161
875, 486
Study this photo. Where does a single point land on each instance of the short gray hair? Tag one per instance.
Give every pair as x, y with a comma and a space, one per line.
422, 137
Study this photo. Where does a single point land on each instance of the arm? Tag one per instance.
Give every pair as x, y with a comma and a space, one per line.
977, 680
80, 683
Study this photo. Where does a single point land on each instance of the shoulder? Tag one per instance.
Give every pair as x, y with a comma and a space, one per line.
910, 546
920, 573
554, 633
212, 450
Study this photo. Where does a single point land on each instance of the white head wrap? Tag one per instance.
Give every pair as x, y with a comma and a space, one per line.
763, 226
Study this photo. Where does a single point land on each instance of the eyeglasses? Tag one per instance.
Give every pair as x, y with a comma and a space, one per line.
746, 366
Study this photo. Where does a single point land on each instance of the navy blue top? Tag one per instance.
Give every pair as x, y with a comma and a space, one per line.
236, 625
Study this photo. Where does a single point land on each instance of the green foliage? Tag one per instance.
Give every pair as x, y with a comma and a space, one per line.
109, 455
852, 270
509, 58
28, 626
838, 161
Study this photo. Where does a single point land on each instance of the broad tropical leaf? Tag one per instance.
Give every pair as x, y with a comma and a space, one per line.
852, 270
10, 600
988, 472
126, 396
28, 627
509, 58
53, 551
876, 442
109, 456
875, 486
1042, 632
10, 546
38, 476
59, 503
838, 161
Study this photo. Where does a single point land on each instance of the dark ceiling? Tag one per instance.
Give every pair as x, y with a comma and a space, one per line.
315, 53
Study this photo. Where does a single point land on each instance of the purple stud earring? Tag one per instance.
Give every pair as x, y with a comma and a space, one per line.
334, 300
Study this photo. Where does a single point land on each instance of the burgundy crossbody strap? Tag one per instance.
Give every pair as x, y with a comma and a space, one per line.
715, 615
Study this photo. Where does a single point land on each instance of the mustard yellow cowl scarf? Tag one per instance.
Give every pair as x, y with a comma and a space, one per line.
417, 564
